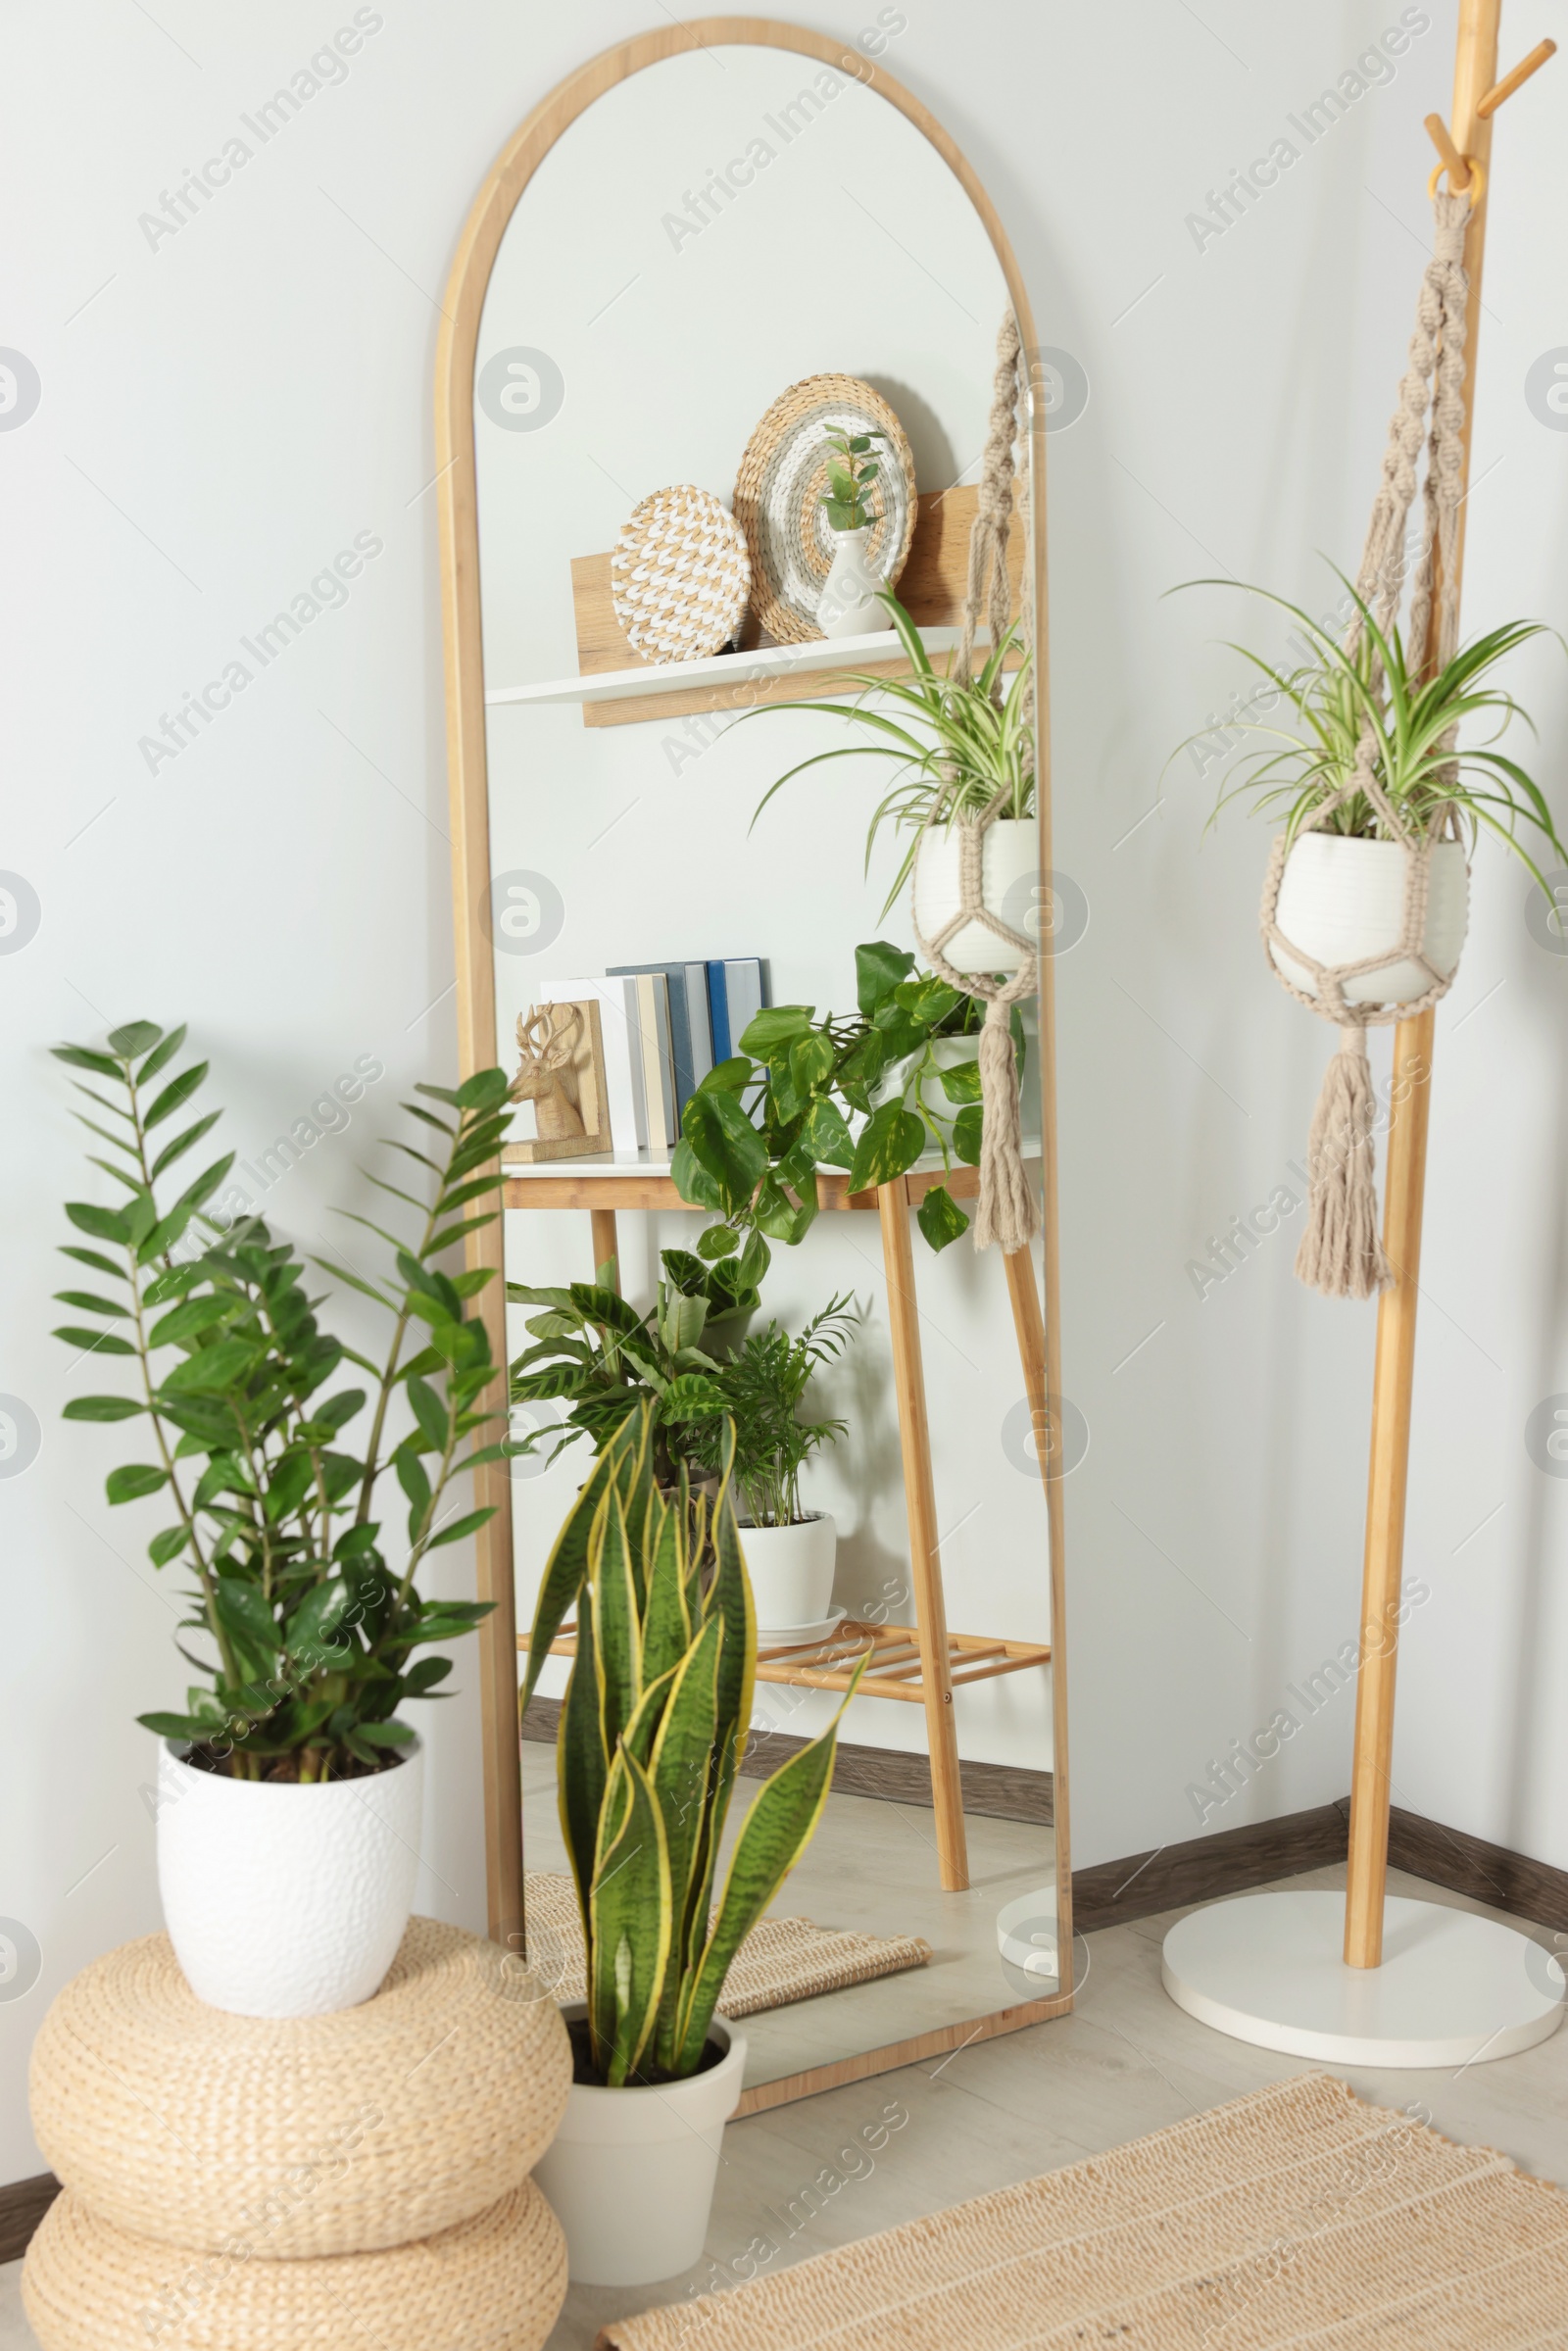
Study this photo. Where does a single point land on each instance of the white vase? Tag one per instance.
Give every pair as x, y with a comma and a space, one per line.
847, 606
283, 1901
791, 1569
630, 2172
1343, 900
1009, 889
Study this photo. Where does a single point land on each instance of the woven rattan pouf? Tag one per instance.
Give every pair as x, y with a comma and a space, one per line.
492, 2284
311, 2134
374, 2161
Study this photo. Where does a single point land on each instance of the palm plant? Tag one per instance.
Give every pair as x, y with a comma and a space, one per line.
652, 1730
311, 1616
764, 1387
961, 744
1412, 715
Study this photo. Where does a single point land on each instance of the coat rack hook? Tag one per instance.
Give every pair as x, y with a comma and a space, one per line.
1510, 83
1459, 166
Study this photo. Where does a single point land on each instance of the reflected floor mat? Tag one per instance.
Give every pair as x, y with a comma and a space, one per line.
1298, 2216
781, 1959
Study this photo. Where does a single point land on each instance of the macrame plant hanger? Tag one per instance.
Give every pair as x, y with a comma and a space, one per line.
1006, 1211
1341, 1252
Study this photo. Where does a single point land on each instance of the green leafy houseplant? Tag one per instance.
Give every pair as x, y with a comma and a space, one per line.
312, 1627
852, 471
758, 1126
650, 1738
959, 744
598, 1355
1335, 694
763, 1388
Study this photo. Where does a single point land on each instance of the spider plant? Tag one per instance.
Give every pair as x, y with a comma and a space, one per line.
1412, 716
958, 742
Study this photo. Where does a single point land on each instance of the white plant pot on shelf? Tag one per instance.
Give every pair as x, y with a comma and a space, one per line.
1341, 899
283, 1901
791, 1569
847, 606
630, 2172
1009, 889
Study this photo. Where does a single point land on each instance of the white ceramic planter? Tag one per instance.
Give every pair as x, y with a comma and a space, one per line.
1343, 900
283, 1901
791, 1569
847, 606
1010, 872
630, 2172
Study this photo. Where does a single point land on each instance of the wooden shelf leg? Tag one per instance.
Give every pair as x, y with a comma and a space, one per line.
1028, 1321
925, 1563
605, 1245
1393, 1374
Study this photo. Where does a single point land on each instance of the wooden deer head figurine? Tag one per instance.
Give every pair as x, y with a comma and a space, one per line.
550, 1036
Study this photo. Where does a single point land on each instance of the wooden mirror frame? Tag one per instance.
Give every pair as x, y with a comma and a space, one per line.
469, 785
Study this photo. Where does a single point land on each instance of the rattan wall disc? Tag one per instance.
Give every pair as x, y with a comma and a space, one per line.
680, 575
494, 2283
779, 499
320, 2134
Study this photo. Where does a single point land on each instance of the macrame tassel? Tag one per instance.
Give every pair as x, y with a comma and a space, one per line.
1006, 1209
1341, 1252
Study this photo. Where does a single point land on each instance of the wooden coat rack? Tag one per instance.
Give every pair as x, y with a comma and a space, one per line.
1466, 155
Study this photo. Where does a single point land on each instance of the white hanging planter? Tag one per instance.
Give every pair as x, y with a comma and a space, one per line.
1010, 870
630, 2172
1341, 899
847, 606
790, 1570
283, 1901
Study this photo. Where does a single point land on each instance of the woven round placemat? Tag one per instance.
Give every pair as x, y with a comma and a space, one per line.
322, 2134
495, 2283
680, 575
778, 494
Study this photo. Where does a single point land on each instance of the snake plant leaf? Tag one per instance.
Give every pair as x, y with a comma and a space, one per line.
646, 1723
629, 1923
618, 1648
679, 1771
667, 1620
730, 1596
582, 1764
568, 1564
635, 1478
777, 1830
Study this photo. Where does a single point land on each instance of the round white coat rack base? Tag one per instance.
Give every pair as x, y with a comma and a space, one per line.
1453, 1989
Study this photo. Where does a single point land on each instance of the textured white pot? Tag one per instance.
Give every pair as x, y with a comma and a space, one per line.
283, 1901
848, 604
1010, 877
630, 2172
1343, 900
791, 1569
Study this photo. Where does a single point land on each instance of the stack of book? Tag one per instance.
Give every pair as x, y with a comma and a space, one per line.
665, 1026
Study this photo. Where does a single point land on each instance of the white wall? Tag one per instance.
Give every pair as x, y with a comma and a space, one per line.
221, 413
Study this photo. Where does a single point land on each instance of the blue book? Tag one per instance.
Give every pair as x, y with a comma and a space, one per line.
719, 1014
680, 1023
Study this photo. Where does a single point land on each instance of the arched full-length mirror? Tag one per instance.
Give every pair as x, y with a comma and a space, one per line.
704, 253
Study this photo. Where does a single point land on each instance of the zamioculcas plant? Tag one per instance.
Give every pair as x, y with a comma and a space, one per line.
305, 1603
652, 1732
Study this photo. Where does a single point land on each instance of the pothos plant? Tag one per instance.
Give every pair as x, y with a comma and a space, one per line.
304, 1598
607, 1360
759, 1125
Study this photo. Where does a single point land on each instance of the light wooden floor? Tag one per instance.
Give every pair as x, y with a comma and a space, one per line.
1127, 2061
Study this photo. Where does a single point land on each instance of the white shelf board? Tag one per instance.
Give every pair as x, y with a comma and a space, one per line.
647, 1163
723, 668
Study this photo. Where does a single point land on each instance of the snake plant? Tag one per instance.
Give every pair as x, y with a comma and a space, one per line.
652, 1735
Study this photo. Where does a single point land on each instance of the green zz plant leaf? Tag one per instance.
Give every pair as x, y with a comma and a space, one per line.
652, 1732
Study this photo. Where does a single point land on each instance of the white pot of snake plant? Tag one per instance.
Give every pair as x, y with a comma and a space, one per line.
1009, 889
630, 2174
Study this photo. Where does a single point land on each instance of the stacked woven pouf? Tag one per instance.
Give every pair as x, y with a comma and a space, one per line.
239, 2183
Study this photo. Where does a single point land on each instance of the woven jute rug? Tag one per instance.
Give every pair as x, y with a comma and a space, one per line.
1298, 2216
781, 1959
